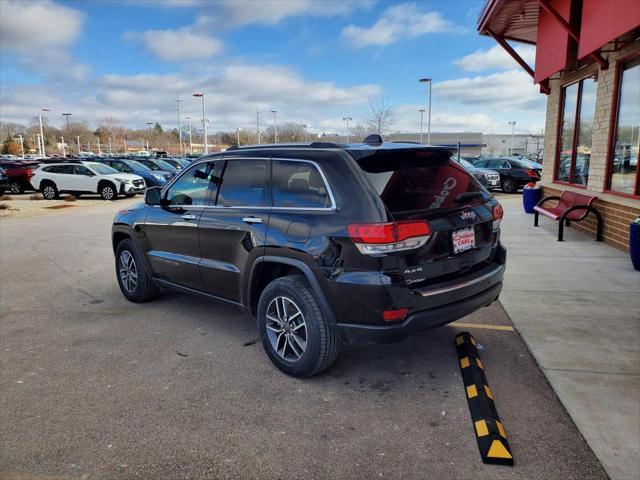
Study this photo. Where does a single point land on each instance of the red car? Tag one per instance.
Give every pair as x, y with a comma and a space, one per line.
19, 174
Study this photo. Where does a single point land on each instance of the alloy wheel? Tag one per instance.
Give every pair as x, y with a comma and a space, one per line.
15, 188
286, 328
107, 193
128, 271
49, 192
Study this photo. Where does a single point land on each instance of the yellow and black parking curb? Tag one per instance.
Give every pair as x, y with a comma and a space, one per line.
492, 439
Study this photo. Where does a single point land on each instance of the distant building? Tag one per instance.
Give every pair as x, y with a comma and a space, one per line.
499, 144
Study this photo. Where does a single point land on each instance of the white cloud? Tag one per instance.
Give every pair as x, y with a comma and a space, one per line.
513, 89
232, 93
406, 20
176, 45
26, 27
495, 58
233, 13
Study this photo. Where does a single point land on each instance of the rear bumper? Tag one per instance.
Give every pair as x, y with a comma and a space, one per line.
359, 319
355, 334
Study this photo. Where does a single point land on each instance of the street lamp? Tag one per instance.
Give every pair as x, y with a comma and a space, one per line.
306, 132
190, 140
239, 130
64, 153
275, 126
347, 119
21, 145
150, 133
513, 129
428, 80
42, 150
258, 123
204, 123
78, 139
179, 126
68, 129
421, 117
109, 146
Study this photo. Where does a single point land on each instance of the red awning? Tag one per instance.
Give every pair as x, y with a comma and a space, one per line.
604, 21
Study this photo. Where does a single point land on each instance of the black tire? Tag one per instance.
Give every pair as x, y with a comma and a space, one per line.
509, 185
49, 190
108, 191
1, 191
145, 288
129, 195
16, 188
322, 343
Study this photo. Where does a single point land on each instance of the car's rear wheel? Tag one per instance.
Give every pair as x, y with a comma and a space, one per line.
16, 187
108, 191
49, 190
295, 335
134, 281
509, 185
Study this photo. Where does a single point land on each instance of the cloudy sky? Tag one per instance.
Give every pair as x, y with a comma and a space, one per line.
313, 62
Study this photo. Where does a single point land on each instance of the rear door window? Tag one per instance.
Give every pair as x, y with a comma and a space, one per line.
244, 184
299, 185
415, 180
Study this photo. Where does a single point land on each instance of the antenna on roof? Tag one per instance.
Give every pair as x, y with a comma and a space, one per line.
374, 139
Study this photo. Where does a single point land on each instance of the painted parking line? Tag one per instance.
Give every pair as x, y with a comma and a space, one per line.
483, 326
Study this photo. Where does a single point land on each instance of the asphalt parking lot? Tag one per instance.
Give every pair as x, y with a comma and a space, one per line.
92, 386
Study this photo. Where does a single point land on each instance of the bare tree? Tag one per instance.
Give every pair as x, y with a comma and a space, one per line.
358, 132
381, 117
111, 127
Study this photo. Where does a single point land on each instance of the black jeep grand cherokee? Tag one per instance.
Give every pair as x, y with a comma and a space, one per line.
322, 243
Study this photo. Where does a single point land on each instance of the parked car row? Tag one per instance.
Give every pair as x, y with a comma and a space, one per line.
80, 175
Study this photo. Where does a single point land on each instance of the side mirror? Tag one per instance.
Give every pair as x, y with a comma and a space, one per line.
152, 196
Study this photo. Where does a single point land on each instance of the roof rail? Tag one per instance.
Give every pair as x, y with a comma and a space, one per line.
326, 145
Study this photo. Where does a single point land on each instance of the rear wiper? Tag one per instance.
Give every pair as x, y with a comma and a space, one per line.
466, 196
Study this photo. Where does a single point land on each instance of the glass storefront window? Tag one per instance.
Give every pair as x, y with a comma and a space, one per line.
624, 160
579, 105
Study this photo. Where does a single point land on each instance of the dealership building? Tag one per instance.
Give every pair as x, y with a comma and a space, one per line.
588, 64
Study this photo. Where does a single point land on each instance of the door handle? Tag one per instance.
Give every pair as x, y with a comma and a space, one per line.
252, 220
188, 216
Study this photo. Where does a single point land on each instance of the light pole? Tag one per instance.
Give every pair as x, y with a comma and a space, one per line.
21, 145
67, 115
258, 123
190, 139
204, 123
306, 132
109, 146
38, 140
275, 126
347, 119
124, 145
239, 130
99, 151
513, 129
428, 80
150, 133
78, 139
64, 153
179, 126
421, 118
43, 152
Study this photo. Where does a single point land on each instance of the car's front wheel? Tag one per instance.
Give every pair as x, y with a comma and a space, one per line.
49, 190
134, 281
295, 335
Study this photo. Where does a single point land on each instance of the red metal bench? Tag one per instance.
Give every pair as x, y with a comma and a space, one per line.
571, 206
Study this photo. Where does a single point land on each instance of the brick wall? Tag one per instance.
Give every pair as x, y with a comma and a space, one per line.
616, 219
617, 211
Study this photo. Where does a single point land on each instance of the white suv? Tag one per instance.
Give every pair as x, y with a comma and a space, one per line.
85, 177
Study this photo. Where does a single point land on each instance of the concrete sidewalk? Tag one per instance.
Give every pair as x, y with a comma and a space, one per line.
577, 306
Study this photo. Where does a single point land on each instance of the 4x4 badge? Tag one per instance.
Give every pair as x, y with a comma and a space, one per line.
468, 215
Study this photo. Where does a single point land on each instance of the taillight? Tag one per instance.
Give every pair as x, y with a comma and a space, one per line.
531, 173
28, 172
394, 315
498, 213
380, 238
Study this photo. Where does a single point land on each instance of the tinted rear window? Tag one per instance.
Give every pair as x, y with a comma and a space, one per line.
418, 181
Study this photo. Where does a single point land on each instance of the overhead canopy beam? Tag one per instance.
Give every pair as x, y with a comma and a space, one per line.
546, 5
509, 49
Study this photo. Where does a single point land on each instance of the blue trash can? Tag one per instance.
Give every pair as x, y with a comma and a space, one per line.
634, 244
530, 198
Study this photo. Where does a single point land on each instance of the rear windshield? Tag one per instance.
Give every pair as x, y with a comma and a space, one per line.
420, 181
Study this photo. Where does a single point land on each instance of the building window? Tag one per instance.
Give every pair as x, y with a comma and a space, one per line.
624, 161
578, 108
